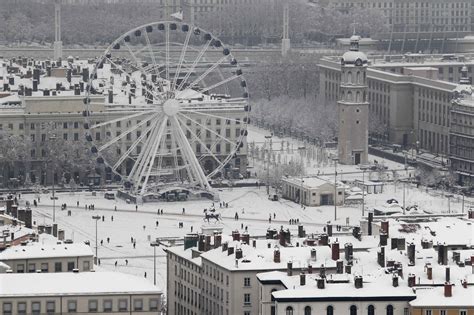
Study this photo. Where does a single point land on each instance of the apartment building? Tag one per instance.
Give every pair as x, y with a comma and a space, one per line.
60, 257
217, 277
413, 16
78, 293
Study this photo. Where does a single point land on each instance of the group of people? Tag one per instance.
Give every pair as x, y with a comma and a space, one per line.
270, 217
89, 207
294, 221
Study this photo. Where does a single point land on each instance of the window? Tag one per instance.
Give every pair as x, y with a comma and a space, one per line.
370, 310
65, 136
93, 305
154, 305
70, 266
32, 126
21, 307
44, 267
462, 312
123, 305
353, 310
20, 268
246, 282
86, 265
247, 299
36, 308
443, 312
389, 309
7, 308
50, 307
138, 305
32, 138
32, 267
289, 310
107, 305
58, 267
72, 306
307, 310
246, 313
76, 136
76, 125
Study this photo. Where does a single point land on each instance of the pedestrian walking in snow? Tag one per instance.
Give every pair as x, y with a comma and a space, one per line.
184, 211
144, 227
112, 218
157, 223
115, 264
145, 274
161, 211
115, 208
108, 240
103, 218
136, 207
126, 262
134, 244
77, 203
101, 242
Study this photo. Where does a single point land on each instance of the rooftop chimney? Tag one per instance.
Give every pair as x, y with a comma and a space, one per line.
313, 254
323, 239
411, 254
385, 228
335, 250
395, 280
411, 280
276, 256
301, 231
238, 253
302, 279
348, 251
370, 220
383, 238
235, 236
358, 282
217, 240
339, 266
329, 229
447, 275
289, 268
230, 251
448, 289
429, 272
310, 269
320, 283
246, 238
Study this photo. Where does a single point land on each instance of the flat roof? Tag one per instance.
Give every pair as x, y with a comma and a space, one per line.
37, 250
69, 283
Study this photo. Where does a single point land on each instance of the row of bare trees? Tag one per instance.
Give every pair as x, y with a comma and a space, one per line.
255, 22
20, 157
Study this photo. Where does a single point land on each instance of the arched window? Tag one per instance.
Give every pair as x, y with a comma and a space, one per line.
349, 77
389, 309
329, 310
370, 310
353, 310
307, 310
349, 96
289, 310
358, 77
358, 97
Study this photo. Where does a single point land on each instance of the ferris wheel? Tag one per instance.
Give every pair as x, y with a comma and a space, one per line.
167, 105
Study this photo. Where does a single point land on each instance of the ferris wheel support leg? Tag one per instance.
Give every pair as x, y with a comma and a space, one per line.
196, 167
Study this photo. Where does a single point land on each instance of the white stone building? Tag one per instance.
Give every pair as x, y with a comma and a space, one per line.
312, 191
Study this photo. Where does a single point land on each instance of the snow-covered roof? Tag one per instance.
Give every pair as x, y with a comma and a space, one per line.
261, 257
69, 283
36, 250
434, 297
373, 288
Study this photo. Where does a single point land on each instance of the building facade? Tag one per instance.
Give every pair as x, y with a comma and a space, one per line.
311, 191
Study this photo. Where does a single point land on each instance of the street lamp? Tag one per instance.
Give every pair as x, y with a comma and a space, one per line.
96, 218
335, 188
154, 245
53, 138
268, 163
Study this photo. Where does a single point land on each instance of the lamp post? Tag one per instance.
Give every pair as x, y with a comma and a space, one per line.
363, 192
154, 245
53, 138
301, 149
335, 188
96, 218
269, 152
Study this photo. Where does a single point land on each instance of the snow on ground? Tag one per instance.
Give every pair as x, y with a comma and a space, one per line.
251, 204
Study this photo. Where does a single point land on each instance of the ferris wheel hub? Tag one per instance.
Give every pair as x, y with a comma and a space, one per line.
171, 107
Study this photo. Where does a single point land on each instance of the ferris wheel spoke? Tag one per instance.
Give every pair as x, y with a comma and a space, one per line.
151, 159
153, 59
206, 73
109, 122
193, 66
123, 134
227, 80
174, 147
181, 59
210, 130
194, 136
167, 64
195, 170
140, 161
132, 147
198, 112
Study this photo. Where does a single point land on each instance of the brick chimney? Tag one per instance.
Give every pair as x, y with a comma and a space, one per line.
411, 280
302, 279
289, 268
448, 289
395, 280
238, 253
429, 272
385, 227
358, 282
235, 236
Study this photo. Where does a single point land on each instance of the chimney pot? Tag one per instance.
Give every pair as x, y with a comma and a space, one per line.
302, 279
448, 289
